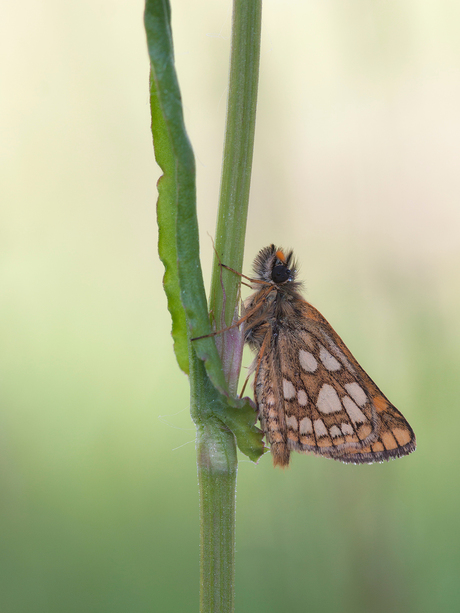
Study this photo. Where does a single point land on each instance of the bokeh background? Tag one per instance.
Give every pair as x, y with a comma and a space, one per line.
356, 167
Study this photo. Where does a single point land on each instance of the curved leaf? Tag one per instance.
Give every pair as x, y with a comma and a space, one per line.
178, 233
178, 226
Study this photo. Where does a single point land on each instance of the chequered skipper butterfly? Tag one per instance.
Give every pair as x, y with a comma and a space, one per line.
311, 393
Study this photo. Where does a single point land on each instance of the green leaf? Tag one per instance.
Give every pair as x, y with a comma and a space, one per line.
166, 109
178, 232
176, 208
178, 226
236, 414
241, 420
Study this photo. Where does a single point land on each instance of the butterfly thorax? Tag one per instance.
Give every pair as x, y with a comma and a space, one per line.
270, 313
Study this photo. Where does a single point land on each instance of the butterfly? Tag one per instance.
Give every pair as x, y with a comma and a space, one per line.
311, 394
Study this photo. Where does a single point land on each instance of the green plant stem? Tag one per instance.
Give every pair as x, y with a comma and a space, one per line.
217, 468
238, 153
216, 448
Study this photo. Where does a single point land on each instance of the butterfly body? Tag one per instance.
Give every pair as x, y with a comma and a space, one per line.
311, 393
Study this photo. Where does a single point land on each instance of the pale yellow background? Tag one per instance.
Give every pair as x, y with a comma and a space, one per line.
357, 168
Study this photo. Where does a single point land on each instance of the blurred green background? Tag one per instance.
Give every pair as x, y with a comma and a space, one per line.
356, 168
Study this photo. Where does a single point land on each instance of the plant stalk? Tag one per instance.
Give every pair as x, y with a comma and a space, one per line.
238, 154
217, 468
216, 448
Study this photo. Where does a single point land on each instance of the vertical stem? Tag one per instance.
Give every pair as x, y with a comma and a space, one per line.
216, 448
238, 152
217, 482
217, 469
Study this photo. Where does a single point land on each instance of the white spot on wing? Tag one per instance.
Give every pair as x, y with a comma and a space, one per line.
335, 431
357, 393
328, 360
320, 428
288, 389
302, 398
336, 351
305, 426
356, 415
328, 400
346, 428
291, 422
307, 361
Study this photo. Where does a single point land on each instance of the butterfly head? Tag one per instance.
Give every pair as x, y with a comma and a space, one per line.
275, 266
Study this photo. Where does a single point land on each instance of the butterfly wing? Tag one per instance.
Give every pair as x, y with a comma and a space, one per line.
269, 397
313, 396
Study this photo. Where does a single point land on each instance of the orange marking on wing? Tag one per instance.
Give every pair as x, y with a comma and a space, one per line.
402, 436
380, 403
276, 437
388, 440
364, 431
